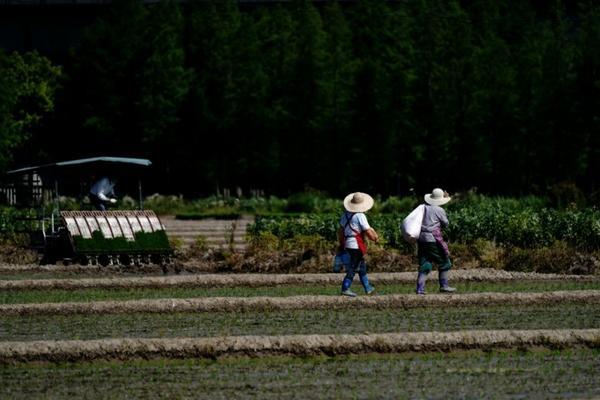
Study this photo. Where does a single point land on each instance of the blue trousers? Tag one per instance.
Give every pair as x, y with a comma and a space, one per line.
357, 264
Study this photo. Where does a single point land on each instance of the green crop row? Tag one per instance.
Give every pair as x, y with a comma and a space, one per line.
25, 296
144, 241
564, 373
296, 322
525, 228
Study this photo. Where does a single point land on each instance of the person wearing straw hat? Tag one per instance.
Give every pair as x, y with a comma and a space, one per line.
354, 229
431, 245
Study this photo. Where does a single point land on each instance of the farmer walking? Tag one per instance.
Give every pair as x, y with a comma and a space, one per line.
431, 245
353, 230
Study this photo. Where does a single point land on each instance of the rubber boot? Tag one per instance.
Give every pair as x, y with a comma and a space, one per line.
366, 285
444, 286
421, 279
346, 283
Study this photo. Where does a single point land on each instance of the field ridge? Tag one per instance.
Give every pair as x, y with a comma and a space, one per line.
298, 345
307, 302
255, 280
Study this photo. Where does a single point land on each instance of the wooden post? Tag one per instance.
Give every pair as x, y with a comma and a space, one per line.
140, 194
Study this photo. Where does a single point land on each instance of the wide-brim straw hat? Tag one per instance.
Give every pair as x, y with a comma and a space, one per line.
437, 197
358, 202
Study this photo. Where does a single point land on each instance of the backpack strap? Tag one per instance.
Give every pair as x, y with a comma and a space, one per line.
348, 220
357, 235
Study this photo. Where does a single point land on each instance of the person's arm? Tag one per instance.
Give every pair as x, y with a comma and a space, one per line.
369, 232
102, 196
372, 235
110, 191
443, 218
104, 190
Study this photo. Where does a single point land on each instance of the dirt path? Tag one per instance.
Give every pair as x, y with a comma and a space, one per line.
239, 304
256, 280
298, 345
217, 233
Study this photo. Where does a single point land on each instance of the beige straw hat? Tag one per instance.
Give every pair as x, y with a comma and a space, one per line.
437, 197
358, 202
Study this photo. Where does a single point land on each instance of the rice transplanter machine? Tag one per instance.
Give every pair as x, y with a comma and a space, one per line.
85, 236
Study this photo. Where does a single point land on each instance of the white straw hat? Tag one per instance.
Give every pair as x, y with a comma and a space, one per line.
437, 197
358, 202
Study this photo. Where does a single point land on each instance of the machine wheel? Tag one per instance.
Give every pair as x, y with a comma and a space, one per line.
125, 259
83, 260
104, 260
48, 260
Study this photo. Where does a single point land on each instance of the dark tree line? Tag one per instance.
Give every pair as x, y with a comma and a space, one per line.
373, 95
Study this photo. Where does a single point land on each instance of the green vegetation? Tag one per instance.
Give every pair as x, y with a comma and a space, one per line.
9, 276
14, 221
173, 325
531, 233
144, 241
526, 227
372, 95
208, 215
28, 86
217, 206
509, 374
87, 295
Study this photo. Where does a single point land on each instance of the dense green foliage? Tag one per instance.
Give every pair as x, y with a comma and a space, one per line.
28, 85
372, 95
128, 81
14, 220
522, 228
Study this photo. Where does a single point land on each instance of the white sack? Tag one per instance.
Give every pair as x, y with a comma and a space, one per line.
411, 226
